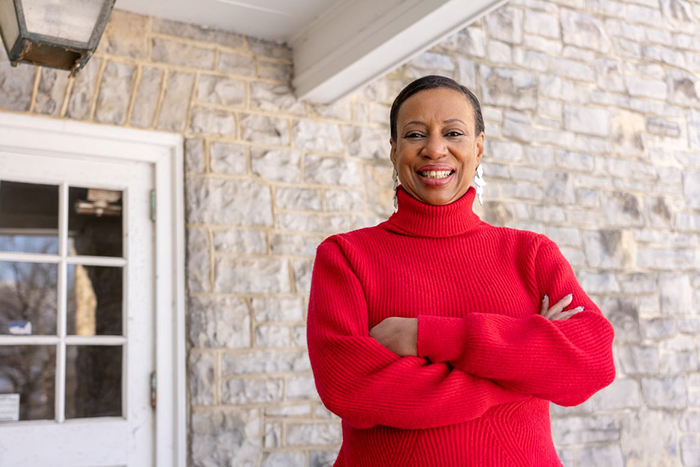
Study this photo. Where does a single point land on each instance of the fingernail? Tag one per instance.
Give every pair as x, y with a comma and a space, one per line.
545, 297
570, 294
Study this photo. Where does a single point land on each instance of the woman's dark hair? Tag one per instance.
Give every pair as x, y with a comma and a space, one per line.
433, 82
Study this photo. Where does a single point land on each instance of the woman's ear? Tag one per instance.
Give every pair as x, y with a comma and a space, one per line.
392, 152
479, 147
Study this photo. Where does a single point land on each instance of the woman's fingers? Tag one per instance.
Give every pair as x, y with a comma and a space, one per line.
557, 311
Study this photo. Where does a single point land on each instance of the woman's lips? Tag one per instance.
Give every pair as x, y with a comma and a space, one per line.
435, 182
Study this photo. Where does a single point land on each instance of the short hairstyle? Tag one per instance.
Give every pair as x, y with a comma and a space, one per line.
433, 82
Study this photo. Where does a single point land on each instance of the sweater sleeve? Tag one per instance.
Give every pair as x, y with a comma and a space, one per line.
365, 383
564, 361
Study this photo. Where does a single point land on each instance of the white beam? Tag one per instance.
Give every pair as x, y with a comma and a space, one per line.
359, 40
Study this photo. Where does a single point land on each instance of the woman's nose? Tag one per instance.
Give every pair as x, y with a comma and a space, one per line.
435, 147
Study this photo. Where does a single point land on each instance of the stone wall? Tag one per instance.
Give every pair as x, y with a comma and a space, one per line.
593, 131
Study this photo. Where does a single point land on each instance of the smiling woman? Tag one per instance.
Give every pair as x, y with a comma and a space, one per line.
431, 334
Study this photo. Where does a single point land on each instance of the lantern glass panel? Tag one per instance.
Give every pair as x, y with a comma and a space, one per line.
73, 20
8, 23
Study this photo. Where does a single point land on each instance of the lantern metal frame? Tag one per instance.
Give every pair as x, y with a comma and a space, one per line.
28, 46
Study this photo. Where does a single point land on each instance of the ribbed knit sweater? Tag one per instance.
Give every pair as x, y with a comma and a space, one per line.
488, 363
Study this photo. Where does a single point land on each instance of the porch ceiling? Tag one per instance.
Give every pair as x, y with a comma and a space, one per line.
338, 45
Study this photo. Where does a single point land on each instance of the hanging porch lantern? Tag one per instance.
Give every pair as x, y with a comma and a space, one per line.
53, 33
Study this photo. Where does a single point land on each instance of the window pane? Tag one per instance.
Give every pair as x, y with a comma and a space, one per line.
95, 222
93, 381
30, 371
28, 217
94, 301
28, 297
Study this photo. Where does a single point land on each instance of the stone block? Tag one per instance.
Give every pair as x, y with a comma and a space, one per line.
623, 314
216, 322
269, 49
557, 88
657, 328
608, 456
667, 259
680, 87
51, 91
542, 24
505, 24
640, 87
173, 110
530, 59
284, 459
280, 165
277, 309
575, 161
125, 35
225, 437
299, 434
606, 249
559, 186
198, 268
181, 54
251, 391
221, 201
663, 127
251, 275
468, 42
466, 76
205, 120
609, 75
665, 393
508, 87
332, 171
201, 378
344, 200
275, 97
16, 84
691, 188
367, 143
623, 393
227, 158
295, 245
272, 437
584, 31
648, 438
690, 451
317, 136
272, 336
572, 69
239, 241
517, 126
147, 95
676, 363
263, 129
302, 275
80, 99
236, 64
504, 151
623, 210
197, 33
285, 411
274, 70
586, 429
676, 294
221, 90
265, 361
541, 156
301, 387
567, 236
499, 52
638, 359
300, 199
299, 333
586, 120
322, 458
112, 100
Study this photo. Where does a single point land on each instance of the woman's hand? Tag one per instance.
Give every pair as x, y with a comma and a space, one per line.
557, 311
398, 335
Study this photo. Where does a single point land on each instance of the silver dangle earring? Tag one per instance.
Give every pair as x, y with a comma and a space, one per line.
395, 178
480, 182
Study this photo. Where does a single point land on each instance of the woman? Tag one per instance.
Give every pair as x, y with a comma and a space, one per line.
431, 334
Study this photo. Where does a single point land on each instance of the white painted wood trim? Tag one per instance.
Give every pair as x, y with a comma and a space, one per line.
360, 40
18, 134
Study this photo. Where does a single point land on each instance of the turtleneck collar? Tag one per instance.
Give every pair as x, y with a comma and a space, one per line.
415, 217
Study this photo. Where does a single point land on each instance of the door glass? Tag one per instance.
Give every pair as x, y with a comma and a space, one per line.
94, 300
28, 298
28, 371
95, 222
93, 381
28, 217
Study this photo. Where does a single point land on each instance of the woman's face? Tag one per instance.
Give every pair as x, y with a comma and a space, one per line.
436, 151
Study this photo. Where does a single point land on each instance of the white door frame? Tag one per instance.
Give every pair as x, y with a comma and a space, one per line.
63, 138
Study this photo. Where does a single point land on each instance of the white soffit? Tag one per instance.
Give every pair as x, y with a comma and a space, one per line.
356, 41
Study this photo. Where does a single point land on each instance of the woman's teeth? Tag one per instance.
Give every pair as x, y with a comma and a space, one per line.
436, 173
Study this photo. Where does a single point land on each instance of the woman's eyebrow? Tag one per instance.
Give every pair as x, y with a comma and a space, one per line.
452, 120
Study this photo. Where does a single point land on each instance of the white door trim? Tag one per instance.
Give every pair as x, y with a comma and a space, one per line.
52, 137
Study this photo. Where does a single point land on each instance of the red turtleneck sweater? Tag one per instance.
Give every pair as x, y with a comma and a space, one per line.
478, 393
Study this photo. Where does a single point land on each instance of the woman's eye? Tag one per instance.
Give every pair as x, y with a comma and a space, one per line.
453, 133
413, 135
